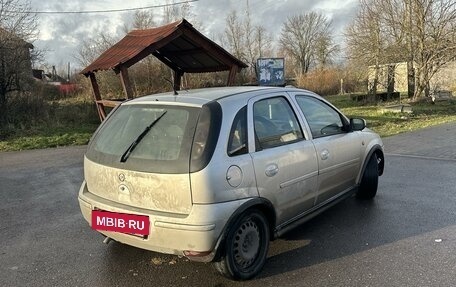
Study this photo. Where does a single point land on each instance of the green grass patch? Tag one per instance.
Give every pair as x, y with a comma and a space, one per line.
47, 138
386, 124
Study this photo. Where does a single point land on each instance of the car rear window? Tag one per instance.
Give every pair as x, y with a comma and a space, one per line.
163, 135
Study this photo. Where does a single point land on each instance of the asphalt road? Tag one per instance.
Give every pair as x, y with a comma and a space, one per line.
405, 237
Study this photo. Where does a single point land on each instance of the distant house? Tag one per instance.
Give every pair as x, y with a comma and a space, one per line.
64, 86
396, 77
391, 78
15, 59
445, 79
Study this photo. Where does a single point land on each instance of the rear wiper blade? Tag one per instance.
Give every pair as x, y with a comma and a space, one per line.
133, 145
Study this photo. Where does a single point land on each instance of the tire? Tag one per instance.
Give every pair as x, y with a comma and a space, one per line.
245, 247
368, 187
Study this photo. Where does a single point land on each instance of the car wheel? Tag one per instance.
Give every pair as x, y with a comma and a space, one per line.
246, 247
369, 182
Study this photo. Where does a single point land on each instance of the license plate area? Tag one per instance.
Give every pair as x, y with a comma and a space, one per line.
132, 224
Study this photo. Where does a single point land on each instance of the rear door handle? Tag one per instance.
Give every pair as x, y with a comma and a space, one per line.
271, 170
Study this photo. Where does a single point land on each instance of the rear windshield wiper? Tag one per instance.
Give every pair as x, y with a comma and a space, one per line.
133, 145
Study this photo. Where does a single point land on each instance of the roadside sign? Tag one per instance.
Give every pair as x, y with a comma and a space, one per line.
271, 71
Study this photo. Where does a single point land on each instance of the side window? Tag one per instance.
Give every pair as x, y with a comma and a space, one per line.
275, 123
237, 142
322, 118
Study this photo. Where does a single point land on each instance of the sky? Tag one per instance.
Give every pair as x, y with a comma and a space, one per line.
61, 34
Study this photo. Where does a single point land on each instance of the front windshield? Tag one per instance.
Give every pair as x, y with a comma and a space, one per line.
165, 147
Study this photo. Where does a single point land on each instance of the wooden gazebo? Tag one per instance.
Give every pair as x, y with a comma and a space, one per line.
178, 45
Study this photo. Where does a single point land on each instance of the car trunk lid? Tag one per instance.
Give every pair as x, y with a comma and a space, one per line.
141, 154
159, 192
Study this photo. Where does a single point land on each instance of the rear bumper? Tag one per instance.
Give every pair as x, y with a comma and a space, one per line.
169, 233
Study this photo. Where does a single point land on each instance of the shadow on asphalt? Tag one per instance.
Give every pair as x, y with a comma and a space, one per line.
345, 229
412, 199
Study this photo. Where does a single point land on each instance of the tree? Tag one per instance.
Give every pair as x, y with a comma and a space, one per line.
325, 50
92, 48
143, 20
173, 13
421, 32
234, 33
246, 41
304, 37
432, 38
18, 29
365, 39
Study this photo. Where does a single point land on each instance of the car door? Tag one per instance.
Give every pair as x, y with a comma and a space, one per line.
338, 150
285, 163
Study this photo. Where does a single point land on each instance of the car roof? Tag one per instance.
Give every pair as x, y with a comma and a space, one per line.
202, 96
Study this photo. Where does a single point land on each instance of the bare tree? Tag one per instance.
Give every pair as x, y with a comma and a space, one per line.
365, 40
432, 39
250, 50
92, 48
302, 34
89, 50
18, 29
173, 13
234, 34
325, 51
264, 42
421, 32
144, 20
247, 41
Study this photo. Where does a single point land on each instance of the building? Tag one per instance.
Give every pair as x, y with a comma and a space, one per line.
15, 59
445, 79
391, 78
396, 77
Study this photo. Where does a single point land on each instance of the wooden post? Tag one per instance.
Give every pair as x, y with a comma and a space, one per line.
97, 96
177, 80
125, 80
342, 92
232, 75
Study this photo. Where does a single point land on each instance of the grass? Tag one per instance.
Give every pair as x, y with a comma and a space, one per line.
38, 138
72, 122
64, 122
387, 124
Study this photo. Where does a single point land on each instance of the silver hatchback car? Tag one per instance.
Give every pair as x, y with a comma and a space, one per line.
215, 174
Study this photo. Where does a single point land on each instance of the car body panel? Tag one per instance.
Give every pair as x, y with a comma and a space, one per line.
160, 192
338, 163
211, 184
170, 233
293, 188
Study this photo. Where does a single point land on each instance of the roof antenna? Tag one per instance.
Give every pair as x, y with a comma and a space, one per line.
172, 85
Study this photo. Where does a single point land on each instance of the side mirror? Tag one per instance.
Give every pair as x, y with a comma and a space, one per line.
357, 124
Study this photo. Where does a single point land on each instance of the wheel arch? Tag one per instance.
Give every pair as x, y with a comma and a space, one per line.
261, 204
378, 151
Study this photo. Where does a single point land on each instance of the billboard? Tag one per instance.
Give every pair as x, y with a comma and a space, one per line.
271, 71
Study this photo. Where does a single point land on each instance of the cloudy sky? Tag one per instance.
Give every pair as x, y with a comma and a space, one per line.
61, 34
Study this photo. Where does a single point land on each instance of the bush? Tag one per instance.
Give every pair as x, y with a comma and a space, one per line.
46, 91
323, 82
26, 108
46, 109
